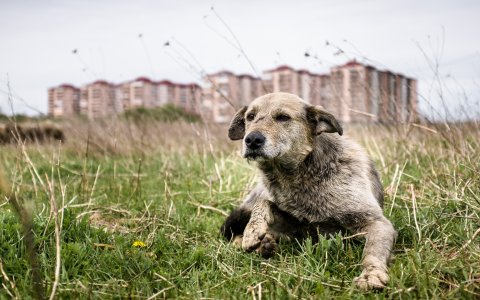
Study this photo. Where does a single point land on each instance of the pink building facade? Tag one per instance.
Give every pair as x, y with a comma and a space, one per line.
98, 99
63, 101
102, 98
224, 92
140, 92
353, 92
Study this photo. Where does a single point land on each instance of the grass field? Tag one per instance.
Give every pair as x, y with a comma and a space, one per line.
133, 210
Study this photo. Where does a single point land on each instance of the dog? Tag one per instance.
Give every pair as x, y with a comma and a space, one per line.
312, 181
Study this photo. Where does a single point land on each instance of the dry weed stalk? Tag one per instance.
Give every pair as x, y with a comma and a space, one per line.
8, 285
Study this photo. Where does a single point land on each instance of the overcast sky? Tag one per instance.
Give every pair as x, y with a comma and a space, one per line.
120, 40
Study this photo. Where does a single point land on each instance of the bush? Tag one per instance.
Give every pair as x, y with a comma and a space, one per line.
165, 113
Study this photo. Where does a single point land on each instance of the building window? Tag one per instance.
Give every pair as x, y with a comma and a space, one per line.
96, 93
285, 83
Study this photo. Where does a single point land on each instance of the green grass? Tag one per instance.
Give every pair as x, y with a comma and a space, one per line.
169, 191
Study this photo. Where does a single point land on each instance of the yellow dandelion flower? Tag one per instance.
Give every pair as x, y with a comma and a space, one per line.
139, 244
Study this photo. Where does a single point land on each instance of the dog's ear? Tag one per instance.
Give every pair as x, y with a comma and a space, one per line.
236, 131
322, 121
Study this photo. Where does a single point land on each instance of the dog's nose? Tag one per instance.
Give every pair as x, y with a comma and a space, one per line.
254, 140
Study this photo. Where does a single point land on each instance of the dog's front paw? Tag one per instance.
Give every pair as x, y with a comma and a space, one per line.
267, 247
372, 278
252, 236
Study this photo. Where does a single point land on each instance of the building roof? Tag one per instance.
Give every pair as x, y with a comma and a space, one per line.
280, 68
351, 63
101, 82
221, 73
68, 86
304, 71
143, 79
194, 85
247, 76
173, 84
387, 72
165, 82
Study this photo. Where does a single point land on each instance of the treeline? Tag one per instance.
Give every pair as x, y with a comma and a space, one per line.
166, 113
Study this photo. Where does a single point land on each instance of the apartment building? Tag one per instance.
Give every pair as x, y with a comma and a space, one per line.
188, 97
140, 92
143, 92
321, 92
224, 93
366, 94
101, 98
219, 95
165, 92
63, 101
283, 79
98, 99
250, 87
349, 87
397, 98
353, 92
311, 87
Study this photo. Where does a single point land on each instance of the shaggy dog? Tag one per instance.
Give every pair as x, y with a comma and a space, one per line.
312, 180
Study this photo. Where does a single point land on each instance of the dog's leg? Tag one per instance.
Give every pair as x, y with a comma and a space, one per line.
376, 254
268, 245
234, 225
257, 235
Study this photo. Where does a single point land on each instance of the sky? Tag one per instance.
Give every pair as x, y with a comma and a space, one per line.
47, 43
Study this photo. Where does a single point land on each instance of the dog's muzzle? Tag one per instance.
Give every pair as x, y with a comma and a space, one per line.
254, 142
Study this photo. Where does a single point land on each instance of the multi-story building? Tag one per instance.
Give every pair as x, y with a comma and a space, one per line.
353, 92
283, 79
224, 93
63, 101
367, 94
165, 92
220, 96
412, 103
398, 98
321, 92
141, 92
311, 87
306, 81
98, 99
349, 88
101, 98
188, 97
249, 88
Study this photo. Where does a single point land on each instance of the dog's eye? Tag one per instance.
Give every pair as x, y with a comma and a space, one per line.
282, 118
250, 117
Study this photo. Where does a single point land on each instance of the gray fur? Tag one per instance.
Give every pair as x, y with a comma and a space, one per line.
311, 180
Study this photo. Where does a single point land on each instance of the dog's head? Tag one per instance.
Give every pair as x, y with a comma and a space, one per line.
280, 126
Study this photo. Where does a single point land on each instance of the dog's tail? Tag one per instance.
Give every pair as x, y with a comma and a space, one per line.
235, 223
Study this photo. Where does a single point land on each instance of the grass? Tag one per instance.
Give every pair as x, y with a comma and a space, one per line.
169, 185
